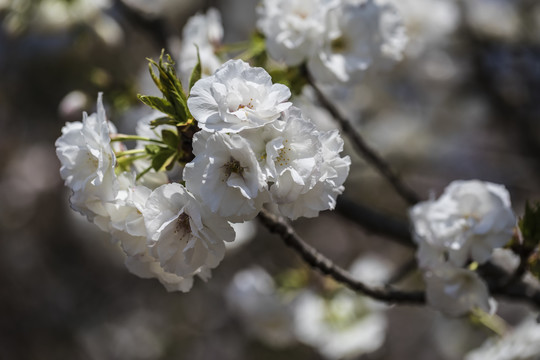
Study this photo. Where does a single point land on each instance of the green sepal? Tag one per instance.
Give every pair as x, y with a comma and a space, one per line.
196, 74
170, 138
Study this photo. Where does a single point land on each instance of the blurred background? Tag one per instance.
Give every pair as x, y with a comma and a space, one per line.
464, 103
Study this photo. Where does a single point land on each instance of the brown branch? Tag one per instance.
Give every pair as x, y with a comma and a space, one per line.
361, 146
279, 226
494, 275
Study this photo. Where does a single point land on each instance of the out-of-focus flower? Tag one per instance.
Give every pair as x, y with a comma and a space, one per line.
202, 32
521, 343
468, 221
252, 296
237, 97
428, 22
357, 35
456, 291
371, 269
73, 103
292, 28
480, 15
342, 327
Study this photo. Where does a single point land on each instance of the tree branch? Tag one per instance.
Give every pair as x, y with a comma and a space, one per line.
279, 226
393, 229
361, 146
494, 275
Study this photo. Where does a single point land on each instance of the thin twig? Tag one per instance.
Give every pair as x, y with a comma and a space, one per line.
317, 260
361, 146
519, 290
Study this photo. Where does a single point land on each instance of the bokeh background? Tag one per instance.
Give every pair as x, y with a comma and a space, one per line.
464, 103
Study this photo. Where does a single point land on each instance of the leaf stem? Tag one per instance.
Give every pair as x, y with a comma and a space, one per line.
130, 152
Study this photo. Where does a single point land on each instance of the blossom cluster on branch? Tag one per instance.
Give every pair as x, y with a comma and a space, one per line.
253, 148
468, 221
225, 144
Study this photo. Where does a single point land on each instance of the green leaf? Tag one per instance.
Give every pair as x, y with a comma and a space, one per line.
157, 103
170, 138
153, 149
256, 52
152, 63
163, 121
163, 159
172, 88
174, 101
197, 71
529, 225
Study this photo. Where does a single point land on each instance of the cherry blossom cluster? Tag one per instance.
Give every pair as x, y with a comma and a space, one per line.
254, 148
457, 232
338, 39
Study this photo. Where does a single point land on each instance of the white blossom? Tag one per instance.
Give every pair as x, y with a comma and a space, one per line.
237, 97
332, 174
371, 269
205, 33
357, 35
147, 267
125, 223
124, 216
88, 162
292, 28
468, 221
303, 168
182, 234
521, 343
253, 297
456, 291
225, 174
342, 327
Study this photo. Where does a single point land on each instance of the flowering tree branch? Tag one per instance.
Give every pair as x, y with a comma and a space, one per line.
363, 148
279, 226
